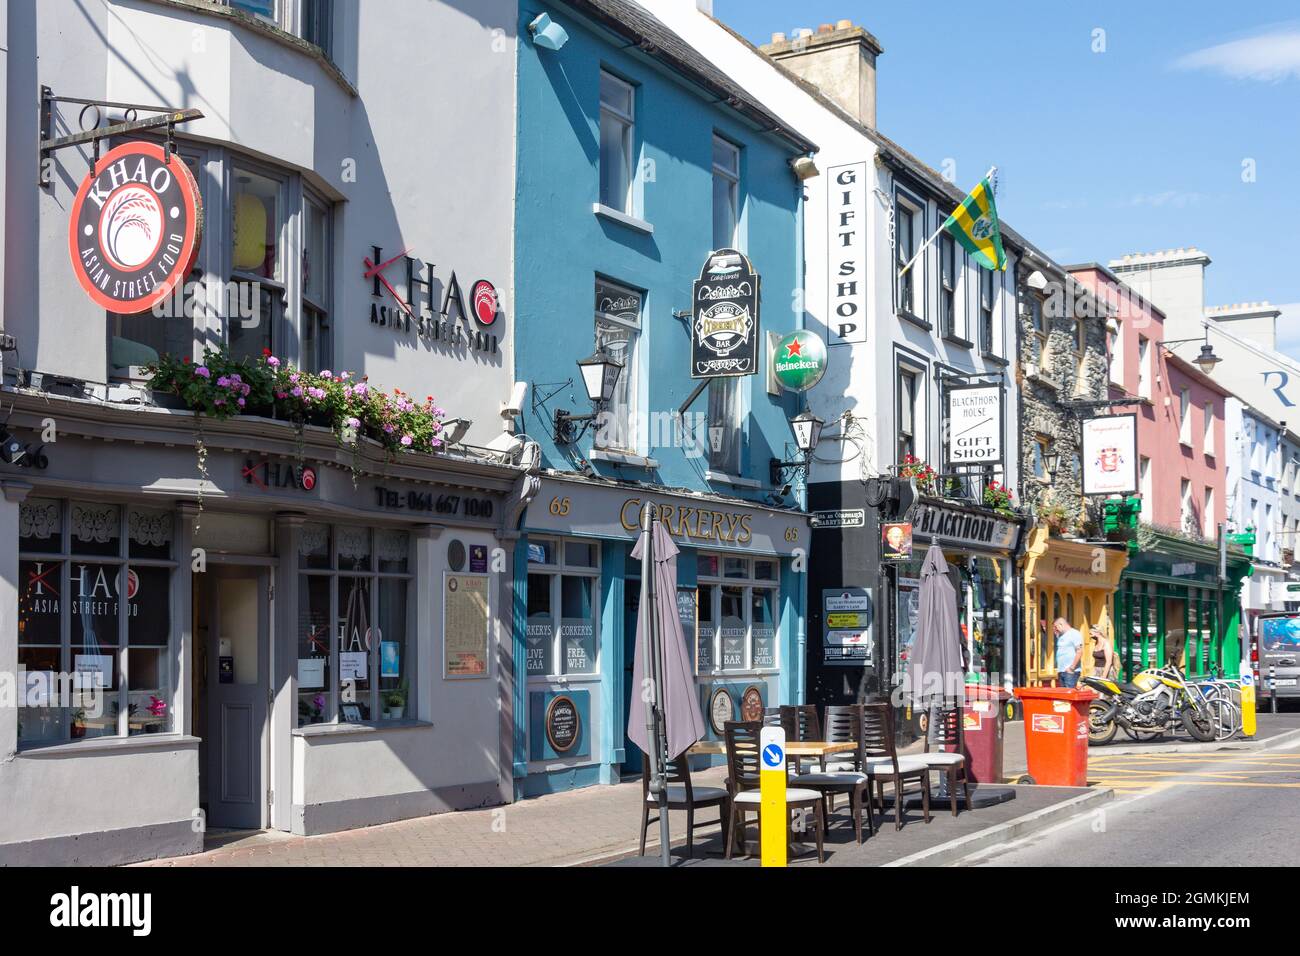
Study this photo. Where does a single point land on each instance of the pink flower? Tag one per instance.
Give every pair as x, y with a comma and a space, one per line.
354, 422
241, 403
389, 429
406, 440
273, 361
202, 372
297, 392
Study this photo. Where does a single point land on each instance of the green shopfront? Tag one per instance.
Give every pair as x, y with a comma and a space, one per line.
1173, 604
740, 598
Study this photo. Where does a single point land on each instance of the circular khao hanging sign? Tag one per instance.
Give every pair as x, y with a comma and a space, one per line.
799, 360
135, 227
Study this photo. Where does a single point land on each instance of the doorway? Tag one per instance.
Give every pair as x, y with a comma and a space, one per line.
631, 608
232, 618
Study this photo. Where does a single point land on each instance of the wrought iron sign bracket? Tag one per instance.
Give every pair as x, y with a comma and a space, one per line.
166, 119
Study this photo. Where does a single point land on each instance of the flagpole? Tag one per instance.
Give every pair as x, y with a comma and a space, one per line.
935, 235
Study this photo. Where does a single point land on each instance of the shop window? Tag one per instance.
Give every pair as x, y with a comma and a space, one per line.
93, 664
618, 331
562, 636
738, 611
353, 612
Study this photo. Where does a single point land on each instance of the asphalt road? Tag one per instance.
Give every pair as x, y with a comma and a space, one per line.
1219, 809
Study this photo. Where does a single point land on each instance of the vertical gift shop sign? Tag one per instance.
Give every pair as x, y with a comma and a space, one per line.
135, 227
846, 254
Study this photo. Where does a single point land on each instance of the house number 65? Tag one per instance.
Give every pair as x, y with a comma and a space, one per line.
560, 506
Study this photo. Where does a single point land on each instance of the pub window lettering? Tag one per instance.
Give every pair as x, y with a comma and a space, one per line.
738, 605
355, 602
561, 635
92, 664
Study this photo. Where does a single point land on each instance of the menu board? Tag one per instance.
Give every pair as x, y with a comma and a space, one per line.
465, 625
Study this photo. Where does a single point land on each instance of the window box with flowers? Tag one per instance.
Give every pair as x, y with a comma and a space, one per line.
926, 478
1000, 498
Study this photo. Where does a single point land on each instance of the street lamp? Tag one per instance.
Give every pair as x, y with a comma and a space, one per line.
600, 372
1206, 360
807, 429
1051, 462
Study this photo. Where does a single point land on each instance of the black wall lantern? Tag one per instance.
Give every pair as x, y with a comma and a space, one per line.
807, 429
600, 372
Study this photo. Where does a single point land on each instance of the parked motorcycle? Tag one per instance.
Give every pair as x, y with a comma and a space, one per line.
1153, 703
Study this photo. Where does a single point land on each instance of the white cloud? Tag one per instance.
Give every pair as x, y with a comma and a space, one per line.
1269, 57
1170, 197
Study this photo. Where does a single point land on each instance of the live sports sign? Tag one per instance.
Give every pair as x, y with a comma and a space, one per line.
135, 227
404, 298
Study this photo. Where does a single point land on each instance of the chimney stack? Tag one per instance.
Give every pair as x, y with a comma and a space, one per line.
839, 59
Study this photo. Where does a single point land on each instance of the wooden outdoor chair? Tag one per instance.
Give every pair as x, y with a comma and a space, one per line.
882, 763
682, 795
799, 721
743, 769
951, 759
844, 723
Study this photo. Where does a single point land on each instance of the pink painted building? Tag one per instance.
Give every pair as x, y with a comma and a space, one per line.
1181, 444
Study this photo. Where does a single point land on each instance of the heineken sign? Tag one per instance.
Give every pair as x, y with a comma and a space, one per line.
724, 317
799, 360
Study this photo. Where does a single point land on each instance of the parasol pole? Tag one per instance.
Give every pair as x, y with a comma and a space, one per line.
654, 703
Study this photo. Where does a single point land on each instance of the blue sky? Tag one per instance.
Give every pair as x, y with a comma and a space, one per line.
1134, 148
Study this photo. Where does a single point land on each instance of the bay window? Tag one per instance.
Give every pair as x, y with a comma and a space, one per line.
354, 609
93, 664
312, 20
263, 280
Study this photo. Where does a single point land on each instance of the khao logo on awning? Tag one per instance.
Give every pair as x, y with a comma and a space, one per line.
135, 228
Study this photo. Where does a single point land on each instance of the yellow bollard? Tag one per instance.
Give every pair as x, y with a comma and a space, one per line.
1247, 699
773, 815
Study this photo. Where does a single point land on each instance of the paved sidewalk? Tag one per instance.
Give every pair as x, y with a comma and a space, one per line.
601, 823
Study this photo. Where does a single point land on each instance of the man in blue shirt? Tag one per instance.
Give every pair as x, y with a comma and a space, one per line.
1069, 652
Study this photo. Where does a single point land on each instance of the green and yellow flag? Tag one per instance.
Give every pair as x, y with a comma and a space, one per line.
975, 225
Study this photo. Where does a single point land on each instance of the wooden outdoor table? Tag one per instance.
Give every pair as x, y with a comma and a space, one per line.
793, 748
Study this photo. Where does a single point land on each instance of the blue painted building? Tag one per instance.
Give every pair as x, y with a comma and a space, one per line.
636, 159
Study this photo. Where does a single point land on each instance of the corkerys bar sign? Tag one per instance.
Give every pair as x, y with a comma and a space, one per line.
135, 227
724, 317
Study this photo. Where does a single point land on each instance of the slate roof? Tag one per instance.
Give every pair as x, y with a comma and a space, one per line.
657, 40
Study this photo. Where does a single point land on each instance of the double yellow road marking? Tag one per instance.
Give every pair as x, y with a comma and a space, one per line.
1133, 772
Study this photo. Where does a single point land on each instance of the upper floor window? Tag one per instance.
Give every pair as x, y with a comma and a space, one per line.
1144, 367
617, 124
1185, 417
268, 285
618, 329
988, 291
908, 394
313, 20
1207, 437
1116, 363
907, 224
947, 285
726, 193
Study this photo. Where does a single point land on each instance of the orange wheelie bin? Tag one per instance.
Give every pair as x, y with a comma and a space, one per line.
1056, 734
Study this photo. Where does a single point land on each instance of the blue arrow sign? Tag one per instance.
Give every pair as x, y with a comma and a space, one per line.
773, 756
